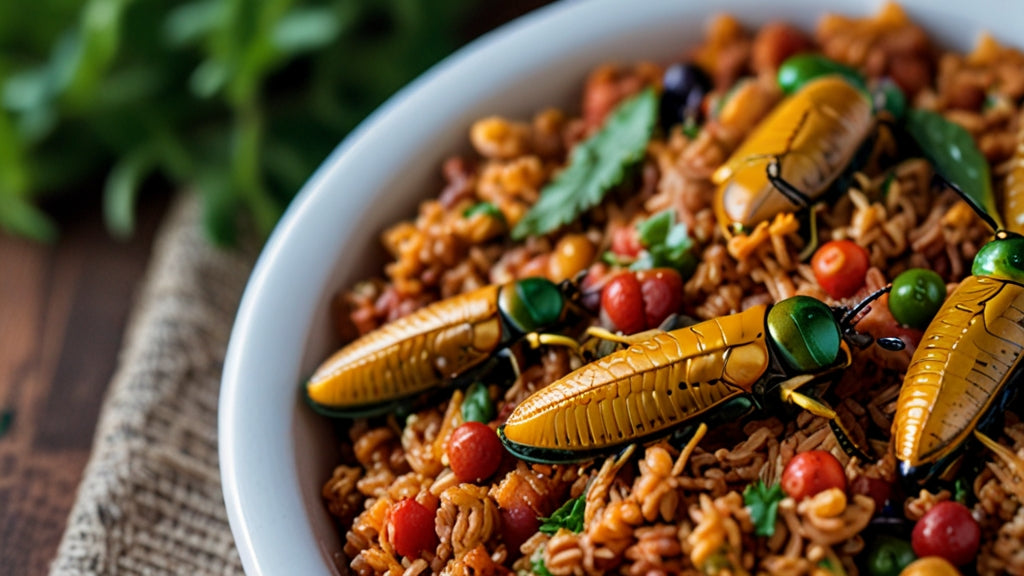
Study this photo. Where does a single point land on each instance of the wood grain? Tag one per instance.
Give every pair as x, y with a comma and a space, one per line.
63, 308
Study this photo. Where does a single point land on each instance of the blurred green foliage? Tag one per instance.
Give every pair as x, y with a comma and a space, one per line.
238, 99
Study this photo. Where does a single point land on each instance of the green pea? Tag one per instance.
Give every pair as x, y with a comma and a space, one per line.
888, 556
802, 68
917, 294
477, 405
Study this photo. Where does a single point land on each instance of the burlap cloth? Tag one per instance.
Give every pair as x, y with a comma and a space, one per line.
150, 500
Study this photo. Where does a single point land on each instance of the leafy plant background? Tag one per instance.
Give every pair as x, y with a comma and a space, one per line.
238, 99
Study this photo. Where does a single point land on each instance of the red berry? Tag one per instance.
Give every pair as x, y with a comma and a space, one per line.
474, 451
662, 290
840, 267
622, 302
518, 523
877, 489
948, 531
811, 472
411, 528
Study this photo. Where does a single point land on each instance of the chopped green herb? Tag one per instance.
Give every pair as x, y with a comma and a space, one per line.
477, 406
763, 503
961, 493
538, 566
691, 129
717, 563
569, 516
6, 419
485, 208
831, 567
666, 244
596, 165
889, 179
613, 259
957, 160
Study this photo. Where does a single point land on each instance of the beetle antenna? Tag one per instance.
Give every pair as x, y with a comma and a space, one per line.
846, 322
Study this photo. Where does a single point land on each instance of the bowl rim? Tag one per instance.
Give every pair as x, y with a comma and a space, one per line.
276, 266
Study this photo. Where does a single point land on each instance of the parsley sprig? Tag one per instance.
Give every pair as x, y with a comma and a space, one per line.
596, 165
569, 516
763, 502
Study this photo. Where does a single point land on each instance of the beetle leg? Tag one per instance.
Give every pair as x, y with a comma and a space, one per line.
598, 332
812, 240
537, 340
819, 408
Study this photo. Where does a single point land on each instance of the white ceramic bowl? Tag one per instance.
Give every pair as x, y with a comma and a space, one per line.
274, 452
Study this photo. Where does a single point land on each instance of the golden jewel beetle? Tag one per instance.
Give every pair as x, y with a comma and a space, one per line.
715, 370
967, 367
436, 346
794, 155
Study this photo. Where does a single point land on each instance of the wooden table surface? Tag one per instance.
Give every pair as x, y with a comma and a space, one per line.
63, 310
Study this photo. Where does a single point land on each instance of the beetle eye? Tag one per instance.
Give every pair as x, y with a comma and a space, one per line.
805, 333
1002, 258
531, 303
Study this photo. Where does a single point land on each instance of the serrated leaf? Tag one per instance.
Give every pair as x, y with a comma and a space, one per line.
763, 503
957, 160
596, 165
537, 564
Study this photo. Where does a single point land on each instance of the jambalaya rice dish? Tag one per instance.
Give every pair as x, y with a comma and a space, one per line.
758, 310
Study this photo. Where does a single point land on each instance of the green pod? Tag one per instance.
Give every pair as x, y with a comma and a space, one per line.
798, 70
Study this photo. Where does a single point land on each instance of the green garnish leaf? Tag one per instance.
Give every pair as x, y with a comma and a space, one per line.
667, 243
485, 208
477, 405
961, 493
763, 503
655, 229
831, 567
596, 165
691, 129
957, 160
569, 516
537, 564
613, 259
